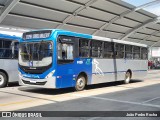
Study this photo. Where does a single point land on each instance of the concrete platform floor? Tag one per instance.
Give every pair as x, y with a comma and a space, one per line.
139, 95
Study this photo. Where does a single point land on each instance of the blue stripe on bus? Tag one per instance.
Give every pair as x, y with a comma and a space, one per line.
5, 36
121, 71
56, 33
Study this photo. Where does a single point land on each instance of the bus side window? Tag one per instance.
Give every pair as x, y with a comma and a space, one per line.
144, 53
1, 50
5, 53
96, 49
119, 49
1, 43
136, 52
84, 48
128, 52
7, 44
5, 49
108, 50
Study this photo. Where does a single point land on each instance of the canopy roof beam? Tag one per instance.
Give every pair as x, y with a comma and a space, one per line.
149, 36
7, 8
107, 24
76, 12
148, 22
154, 44
1, 6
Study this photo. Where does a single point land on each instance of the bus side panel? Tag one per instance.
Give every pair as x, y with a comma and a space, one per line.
138, 68
121, 66
83, 65
143, 72
68, 73
11, 67
107, 70
103, 71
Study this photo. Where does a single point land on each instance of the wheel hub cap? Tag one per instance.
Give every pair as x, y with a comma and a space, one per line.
80, 83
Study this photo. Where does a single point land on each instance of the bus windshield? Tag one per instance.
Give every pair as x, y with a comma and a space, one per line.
35, 54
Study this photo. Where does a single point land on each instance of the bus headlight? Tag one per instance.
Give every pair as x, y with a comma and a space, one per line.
50, 74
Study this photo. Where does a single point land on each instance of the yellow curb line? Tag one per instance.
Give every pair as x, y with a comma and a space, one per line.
13, 103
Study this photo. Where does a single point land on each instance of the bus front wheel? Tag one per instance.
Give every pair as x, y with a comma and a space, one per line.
80, 83
3, 80
127, 77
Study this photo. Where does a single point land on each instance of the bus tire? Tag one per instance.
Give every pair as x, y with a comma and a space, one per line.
80, 83
127, 77
3, 80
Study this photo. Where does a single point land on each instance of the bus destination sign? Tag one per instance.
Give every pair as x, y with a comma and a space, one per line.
37, 34
66, 39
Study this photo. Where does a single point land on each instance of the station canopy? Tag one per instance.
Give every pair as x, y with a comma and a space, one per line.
117, 19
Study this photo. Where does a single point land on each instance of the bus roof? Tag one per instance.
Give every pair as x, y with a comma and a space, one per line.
5, 36
70, 33
118, 41
99, 38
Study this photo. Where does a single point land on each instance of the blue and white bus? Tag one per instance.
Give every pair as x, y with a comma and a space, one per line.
60, 59
8, 59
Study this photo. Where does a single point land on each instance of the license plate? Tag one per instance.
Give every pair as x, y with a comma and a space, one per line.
32, 81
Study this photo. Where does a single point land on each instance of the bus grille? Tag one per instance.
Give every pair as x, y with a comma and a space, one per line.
37, 70
37, 83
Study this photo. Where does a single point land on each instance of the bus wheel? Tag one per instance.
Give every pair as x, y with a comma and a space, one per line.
127, 77
80, 83
3, 80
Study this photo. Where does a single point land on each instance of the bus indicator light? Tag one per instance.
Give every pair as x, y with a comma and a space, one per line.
59, 76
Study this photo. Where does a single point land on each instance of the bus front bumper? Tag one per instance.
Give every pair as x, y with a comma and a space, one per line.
42, 83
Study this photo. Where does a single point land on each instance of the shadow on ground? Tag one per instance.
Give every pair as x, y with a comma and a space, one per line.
68, 90
44, 91
14, 84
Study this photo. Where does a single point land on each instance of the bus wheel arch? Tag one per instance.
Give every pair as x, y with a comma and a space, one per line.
81, 81
128, 76
3, 78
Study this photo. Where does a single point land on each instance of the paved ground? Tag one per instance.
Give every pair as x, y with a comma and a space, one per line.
140, 95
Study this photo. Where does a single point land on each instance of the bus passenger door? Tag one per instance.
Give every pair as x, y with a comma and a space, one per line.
65, 67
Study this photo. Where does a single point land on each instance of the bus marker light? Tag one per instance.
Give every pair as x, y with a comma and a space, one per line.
59, 76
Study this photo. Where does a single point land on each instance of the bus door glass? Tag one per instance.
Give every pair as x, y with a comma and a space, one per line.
65, 68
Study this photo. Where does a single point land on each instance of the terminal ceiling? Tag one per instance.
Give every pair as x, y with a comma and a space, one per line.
108, 18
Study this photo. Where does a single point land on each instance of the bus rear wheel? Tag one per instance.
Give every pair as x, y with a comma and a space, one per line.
127, 77
3, 80
80, 83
